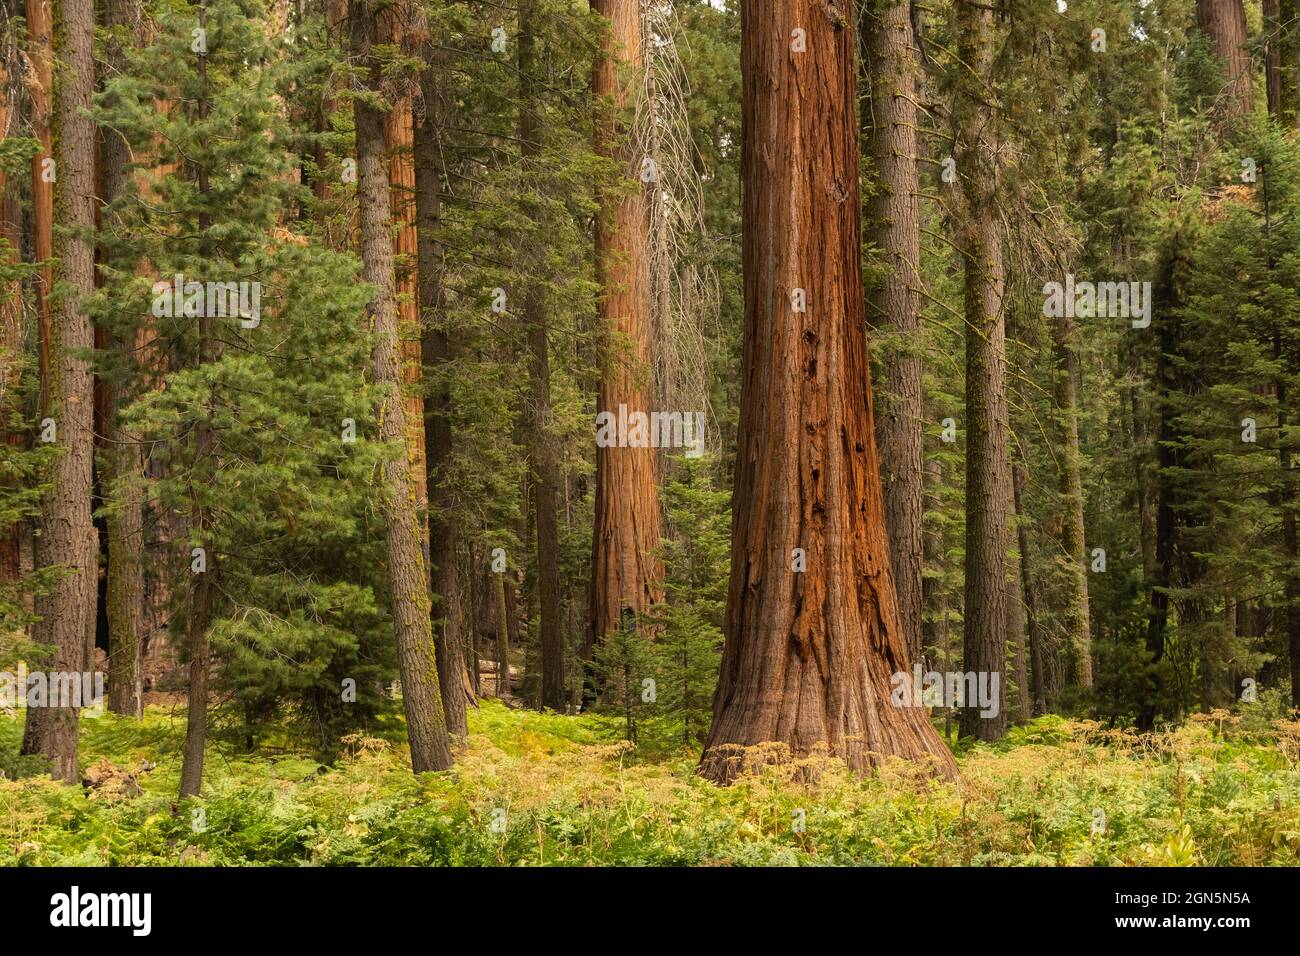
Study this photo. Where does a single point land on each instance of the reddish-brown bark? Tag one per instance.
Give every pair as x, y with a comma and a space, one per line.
808, 656
625, 575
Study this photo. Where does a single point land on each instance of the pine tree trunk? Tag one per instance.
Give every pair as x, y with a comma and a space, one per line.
987, 436
1295, 44
437, 354
808, 655
1076, 613
1273, 57
1224, 22
426, 724
1290, 536
1033, 632
1017, 648
391, 28
11, 335
893, 225
541, 442
196, 717
123, 458
503, 638
626, 576
40, 51
1167, 297
70, 541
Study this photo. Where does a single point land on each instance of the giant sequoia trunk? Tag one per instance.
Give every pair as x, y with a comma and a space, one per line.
893, 224
541, 442
987, 425
809, 654
67, 610
1224, 22
426, 724
625, 574
437, 354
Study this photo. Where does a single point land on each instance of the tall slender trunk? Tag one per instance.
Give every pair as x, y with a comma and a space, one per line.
503, 637
809, 656
893, 224
1273, 57
391, 28
11, 335
1032, 628
1017, 613
200, 619
1167, 298
438, 355
541, 442
1290, 537
123, 458
987, 435
426, 724
40, 51
1076, 613
626, 576
67, 611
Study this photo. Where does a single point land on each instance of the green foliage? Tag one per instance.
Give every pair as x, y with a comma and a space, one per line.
1213, 793
291, 541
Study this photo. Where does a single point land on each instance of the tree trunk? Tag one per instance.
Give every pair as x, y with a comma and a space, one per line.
987, 436
437, 353
123, 457
67, 611
1224, 22
426, 724
1033, 632
1290, 537
40, 51
626, 575
1073, 543
391, 28
541, 441
1295, 43
196, 718
893, 224
1273, 57
11, 335
1166, 297
808, 655
503, 638
1017, 613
